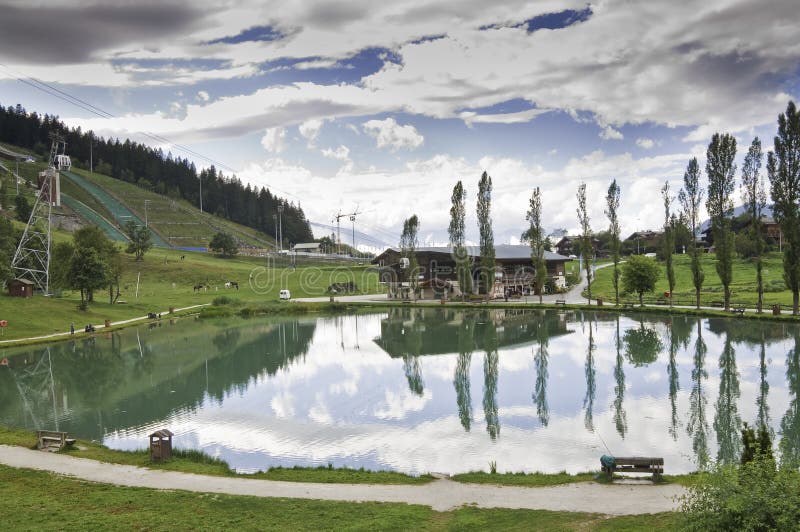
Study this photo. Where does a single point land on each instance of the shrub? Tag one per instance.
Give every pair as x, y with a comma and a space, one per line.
222, 300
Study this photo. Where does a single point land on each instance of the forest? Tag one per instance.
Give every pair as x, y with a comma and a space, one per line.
160, 172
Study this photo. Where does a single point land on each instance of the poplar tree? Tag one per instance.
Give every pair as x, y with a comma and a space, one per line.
721, 172
612, 203
408, 250
537, 238
456, 231
586, 238
486, 234
669, 238
691, 197
783, 169
755, 200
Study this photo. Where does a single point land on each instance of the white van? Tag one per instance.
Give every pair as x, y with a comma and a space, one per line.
285, 294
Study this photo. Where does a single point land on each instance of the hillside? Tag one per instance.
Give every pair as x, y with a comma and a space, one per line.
101, 200
159, 172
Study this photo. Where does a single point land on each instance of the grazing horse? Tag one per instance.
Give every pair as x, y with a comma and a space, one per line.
234, 284
199, 287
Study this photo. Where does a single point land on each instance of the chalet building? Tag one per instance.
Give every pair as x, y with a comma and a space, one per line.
20, 288
437, 277
643, 241
570, 245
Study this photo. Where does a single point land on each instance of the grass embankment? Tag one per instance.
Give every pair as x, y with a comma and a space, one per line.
523, 479
743, 288
167, 281
38, 500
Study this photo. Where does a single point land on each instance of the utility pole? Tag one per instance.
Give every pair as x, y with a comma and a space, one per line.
201, 190
353, 219
280, 224
91, 158
145, 212
275, 223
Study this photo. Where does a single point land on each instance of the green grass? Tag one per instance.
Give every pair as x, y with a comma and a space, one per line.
523, 479
44, 501
743, 288
339, 476
166, 281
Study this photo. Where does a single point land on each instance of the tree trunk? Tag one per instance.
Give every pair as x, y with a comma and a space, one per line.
697, 296
795, 301
760, 286
641, 299
727, 297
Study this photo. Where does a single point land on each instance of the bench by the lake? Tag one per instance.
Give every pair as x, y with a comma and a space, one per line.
628, 304
738, 310
562, 302
50, 439
633, 464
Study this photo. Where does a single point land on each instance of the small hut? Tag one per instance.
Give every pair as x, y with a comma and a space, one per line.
20, 288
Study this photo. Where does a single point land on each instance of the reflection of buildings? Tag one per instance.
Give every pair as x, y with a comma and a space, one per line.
417, 331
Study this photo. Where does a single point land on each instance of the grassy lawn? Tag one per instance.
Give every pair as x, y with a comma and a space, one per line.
523, 479
167, 281
743, 288
39, 500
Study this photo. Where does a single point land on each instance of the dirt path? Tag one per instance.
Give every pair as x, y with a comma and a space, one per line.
441, 495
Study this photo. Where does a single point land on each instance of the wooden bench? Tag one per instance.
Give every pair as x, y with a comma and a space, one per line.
628, 304
562, 302
718, 304
738, 310
636, 464
48, 439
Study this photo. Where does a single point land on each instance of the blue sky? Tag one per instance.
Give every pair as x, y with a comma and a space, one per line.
386, 107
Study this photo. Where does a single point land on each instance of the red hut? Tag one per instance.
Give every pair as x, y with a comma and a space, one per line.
20, 288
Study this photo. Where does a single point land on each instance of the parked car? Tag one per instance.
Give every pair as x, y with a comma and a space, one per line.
285, 294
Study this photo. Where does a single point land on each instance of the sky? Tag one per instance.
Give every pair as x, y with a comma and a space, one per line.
383, 107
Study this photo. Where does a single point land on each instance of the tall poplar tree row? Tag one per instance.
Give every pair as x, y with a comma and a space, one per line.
537, 238
691, 197
612, 204
755, 200
586, 238
486, 234
456, 231
783, 169
669, 238
721, 172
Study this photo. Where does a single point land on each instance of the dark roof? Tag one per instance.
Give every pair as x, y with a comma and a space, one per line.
22, 281
501, 252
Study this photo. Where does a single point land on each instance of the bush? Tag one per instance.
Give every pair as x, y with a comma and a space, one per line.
572, 278
223, 300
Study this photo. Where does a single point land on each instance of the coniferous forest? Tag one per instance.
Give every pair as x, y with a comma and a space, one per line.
164, 173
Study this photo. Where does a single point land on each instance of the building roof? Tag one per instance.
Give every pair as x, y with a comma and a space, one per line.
501, 252
307, 245
22, 281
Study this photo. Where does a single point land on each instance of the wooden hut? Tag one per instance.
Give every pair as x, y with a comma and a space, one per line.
20, 288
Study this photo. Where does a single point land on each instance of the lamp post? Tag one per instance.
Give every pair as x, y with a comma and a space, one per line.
280, 225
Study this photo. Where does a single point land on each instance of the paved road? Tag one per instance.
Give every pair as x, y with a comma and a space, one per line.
441, 495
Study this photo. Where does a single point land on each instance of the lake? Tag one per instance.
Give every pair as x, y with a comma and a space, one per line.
421, 389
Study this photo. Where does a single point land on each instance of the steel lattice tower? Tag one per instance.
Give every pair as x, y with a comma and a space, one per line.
32, 259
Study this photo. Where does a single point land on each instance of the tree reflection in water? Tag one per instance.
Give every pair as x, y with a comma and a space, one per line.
620, 419
790, 424
540, 360
727, 422
697, 427
490, 373
763, 420
466, 344
589, 371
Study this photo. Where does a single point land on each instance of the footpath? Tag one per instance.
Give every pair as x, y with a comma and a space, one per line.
441, 494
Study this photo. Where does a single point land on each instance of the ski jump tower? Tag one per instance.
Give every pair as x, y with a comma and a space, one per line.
32, 259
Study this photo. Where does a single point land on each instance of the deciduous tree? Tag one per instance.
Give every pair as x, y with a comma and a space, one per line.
721, 171
639, 275
486, 234
456, 231
537, 240
691, 197
586, 238
755, 200
783, 169
224, 244
612, 208
669, 238
408, 250
140, 239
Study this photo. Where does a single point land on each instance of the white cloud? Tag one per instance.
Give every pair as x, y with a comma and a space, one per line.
274, 139
203, 96
310, 130
646, 143
342, 153
609, 133
389, 134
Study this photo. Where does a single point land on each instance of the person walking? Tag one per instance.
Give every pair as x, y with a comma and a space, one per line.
72, 328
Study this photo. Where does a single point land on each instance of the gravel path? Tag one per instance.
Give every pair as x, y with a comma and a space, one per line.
441, 494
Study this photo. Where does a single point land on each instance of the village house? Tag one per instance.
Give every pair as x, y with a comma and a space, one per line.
570, 245
307, 247
437, 277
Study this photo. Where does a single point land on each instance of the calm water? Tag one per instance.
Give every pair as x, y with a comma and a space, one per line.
419, 390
